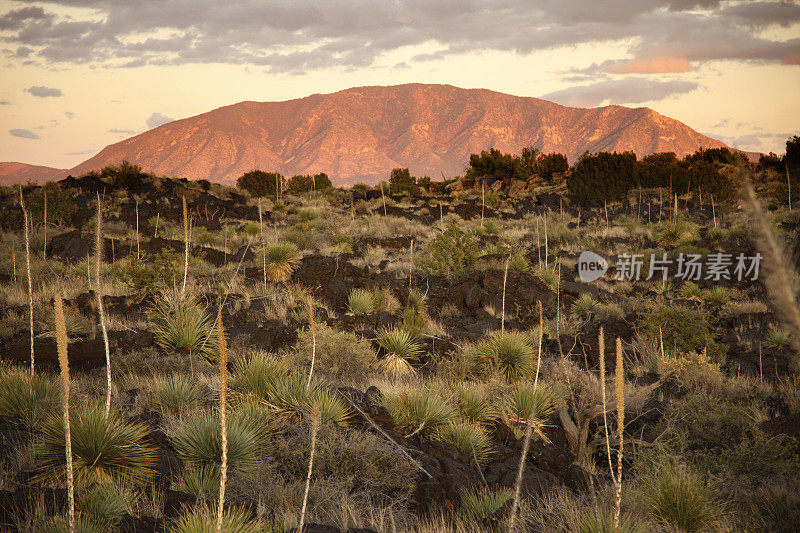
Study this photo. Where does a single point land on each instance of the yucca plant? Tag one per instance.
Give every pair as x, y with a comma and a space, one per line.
176, 394
279, 261
252, 376
691, 291
201, 481
679, 498
420, 411
360, 302
584, 305
776, 338
400, 349
548, 275
473, 406
293, 397
82, 524
106, 503
484, 503
510, 352
470, 440
199, 439
718, 296
181, 324
527, 402
204, 520
28, 399
383, 299
518, 263
104, 449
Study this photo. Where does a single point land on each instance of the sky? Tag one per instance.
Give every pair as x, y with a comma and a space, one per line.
77, 75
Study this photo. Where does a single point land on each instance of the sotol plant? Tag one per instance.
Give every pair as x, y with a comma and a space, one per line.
279, 261
400, 349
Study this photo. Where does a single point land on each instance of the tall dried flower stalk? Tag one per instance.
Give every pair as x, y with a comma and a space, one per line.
186, 245
313, 330
503, 306
528, 433
601, 346
28, 268
619, 390
61, 341
137, 233
315, 423
781, 281
44, 225
223, 399
98, 293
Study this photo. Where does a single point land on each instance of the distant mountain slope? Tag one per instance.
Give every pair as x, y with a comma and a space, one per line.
12, 173
360, 134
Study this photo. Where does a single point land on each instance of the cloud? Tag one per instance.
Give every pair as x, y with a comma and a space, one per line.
157, 119
123, 132
25, 134
5, 102
300, 36
622, 91
69, 114
40, 91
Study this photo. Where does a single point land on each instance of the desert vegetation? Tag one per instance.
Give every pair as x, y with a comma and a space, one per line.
417, 355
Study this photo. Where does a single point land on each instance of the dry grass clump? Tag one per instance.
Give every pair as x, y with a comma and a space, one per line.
420, 411
340, 355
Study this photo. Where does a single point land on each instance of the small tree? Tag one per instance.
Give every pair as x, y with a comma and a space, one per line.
401, 181
259, 183
303, 183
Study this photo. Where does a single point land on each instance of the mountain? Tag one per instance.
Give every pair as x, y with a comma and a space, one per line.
360, 134
12, 173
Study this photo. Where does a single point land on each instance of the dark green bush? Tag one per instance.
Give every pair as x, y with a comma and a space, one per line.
451, 252
259, 183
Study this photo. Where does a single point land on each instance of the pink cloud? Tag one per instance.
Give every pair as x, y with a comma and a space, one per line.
791, 60
653, 65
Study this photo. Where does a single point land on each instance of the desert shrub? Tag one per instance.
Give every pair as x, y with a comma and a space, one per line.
259, 183
610, 312
450, 253
677, 497
719, 295
307, 214
549, 275
402, 182
198, 439
279, 260
677, 233
28, 399
419, 411
176, 394
693, 369
483, 503
470, 440
691, 291
252, 229
604, 176
204, 520
104, 449
511, 353
519, 263
60, 203
684, 329
399, 350
339, 354
301, 184
147, 273
383, 299
182, 324
774, 508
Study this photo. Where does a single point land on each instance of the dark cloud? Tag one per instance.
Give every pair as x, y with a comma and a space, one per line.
69, 114
662, 35
5, 102
123, 132
622, 91
157, 119
40, 91
25, 134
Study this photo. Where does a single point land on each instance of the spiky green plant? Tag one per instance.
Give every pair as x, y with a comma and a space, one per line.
510, 352
199, 439
718, 296
470, 440
548, 275
204, 520
691, 291
181, 324
82, 525
292, 397
360, 302
176, 394
28, 399
400, 349
518, 263
420, 411
473, 406
776, 338
484, 503
200, 481
279, 261
307, 215
679, 498
584, 305
383, 299
251, 377
104, 449
106, 503
526, 400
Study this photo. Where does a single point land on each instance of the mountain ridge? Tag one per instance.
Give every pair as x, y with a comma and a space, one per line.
361, 133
